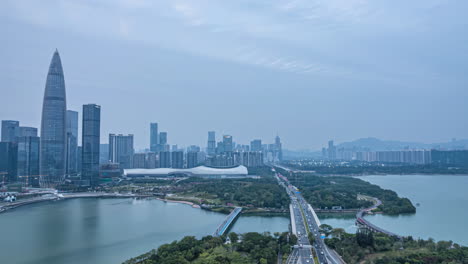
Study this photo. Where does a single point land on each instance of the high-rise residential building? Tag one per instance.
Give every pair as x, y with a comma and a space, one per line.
139, 160
227, 143
154, 137
8, 162
121, 150
103, 153
72, 143
28, 160
10, 130
151, 160
53, 126
177, 159
211, 147
90, 142
192, 159
165, 159
256, 145
27, 131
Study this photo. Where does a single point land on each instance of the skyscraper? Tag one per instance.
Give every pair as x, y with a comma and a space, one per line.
227, 142
192, 159
177, 159
164, 159
28, 160
279, 149
163, 142
121, 150
53, 126
154, 137
72, 143
256, 145
211, 147
8, 162
90, 143
331, 150
10, 130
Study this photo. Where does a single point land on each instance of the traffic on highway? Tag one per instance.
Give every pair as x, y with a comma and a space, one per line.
306, 222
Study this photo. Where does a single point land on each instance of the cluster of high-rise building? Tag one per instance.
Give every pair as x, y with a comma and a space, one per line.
55, 157
409, 156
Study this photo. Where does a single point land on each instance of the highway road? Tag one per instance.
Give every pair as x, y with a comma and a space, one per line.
306, 221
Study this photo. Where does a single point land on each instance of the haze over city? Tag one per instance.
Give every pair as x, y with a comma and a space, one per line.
307, 71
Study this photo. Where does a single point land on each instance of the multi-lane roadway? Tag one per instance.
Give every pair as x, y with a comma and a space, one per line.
306, 222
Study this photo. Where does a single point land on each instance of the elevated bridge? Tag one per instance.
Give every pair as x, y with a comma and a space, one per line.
228, 221
361, 222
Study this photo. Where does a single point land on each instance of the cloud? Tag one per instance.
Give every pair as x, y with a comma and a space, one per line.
335, 37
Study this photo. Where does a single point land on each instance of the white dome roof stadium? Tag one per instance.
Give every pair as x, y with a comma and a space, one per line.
200, 171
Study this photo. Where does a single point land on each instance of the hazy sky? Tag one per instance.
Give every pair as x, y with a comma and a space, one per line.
308, 70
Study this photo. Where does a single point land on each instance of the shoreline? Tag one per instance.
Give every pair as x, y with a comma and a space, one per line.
10, 206
193, 205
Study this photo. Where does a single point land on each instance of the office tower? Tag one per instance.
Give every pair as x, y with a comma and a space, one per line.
121, 150
151, 160
72, 143
28, 160
211, 147
27, 131
90, 142
174, 148
103, 153
331, 150
10, 130
139, 160
165, 159
53, 126
192, 159
8, 162
177, 159
154, 137
256, 145
227, 143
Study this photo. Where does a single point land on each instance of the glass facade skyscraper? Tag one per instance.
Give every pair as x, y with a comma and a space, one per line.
53, 126
121, 150
211, 147
28, 160
10, 130
72, 143
154, 137
90, 142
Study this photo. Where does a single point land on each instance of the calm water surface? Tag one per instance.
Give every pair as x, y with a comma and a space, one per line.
442, 213
107, 230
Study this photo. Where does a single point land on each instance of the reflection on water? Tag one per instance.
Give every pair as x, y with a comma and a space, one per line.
108, 230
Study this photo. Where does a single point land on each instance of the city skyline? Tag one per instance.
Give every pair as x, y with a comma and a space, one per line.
308, 89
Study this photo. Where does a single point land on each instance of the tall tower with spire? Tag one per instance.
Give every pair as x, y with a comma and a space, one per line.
53, 126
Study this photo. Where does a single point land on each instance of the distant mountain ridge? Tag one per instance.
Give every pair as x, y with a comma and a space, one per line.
375, 144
